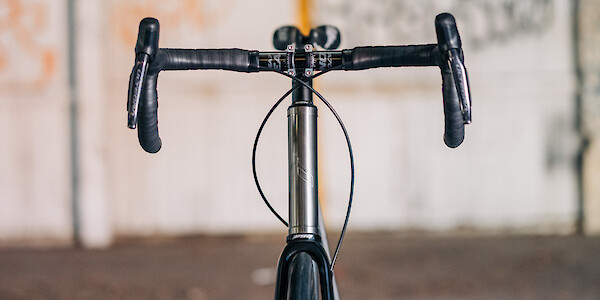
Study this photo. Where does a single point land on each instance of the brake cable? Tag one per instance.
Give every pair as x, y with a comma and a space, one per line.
296, 85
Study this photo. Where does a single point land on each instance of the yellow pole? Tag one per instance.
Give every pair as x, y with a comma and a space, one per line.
303, 15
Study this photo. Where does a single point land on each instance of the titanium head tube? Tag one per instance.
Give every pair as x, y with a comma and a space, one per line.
302, 157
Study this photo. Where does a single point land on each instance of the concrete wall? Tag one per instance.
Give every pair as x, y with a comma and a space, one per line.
589, 114
34, 122
516, 170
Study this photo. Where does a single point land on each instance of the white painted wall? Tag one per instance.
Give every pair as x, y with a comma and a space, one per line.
514, 170
34, 123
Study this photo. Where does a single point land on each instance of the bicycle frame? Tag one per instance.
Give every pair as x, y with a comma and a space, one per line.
305, 232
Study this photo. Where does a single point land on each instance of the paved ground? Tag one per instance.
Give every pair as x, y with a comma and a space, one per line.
371, 266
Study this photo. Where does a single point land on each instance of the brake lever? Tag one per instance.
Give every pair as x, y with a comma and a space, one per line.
146, 48
461, 80
136, 80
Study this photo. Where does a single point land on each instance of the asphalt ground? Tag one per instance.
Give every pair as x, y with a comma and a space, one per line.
370, 266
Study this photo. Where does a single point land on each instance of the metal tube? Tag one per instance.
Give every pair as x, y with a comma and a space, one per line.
302, 158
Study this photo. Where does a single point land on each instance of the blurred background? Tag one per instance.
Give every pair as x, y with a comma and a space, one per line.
71, 173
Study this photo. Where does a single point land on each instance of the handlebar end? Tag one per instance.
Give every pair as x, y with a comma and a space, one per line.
453, 142
153, 147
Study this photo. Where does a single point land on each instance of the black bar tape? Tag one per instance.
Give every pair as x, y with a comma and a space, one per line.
147, 116
390, 56
183, 59
454, 127
195, 59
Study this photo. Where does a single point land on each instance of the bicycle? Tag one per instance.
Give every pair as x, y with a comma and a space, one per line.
305, 267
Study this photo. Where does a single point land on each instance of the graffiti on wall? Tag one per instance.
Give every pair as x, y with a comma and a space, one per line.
501, 21
489, 21
195, 14
25, 59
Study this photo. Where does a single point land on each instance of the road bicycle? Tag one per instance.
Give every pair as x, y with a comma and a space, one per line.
305, 267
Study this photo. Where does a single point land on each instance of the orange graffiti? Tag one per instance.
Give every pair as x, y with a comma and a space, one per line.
23, 24
198, 13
